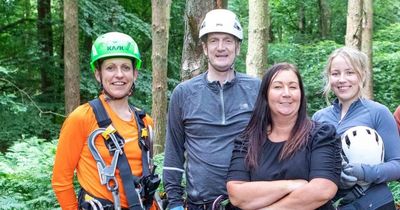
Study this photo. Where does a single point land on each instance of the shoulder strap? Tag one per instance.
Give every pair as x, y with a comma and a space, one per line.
144, 145
123, 165
101, 115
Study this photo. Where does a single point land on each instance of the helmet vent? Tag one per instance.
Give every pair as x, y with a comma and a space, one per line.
237, 27
368, 131
347, 141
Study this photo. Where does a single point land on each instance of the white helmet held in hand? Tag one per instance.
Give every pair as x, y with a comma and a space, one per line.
221, 20
362, 144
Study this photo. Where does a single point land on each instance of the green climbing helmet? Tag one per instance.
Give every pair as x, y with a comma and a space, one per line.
114, 44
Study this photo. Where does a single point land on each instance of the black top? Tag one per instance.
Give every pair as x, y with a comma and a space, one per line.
319, 158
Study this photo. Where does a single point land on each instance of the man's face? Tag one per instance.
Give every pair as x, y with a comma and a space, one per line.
221, 50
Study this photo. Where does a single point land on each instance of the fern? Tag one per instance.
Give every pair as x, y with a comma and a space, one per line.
25, 173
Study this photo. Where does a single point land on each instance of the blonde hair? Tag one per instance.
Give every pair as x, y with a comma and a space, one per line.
357, 61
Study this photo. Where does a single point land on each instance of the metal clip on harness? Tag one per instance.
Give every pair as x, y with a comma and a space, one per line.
106, 173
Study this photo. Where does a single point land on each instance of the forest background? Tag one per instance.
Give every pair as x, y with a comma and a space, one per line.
32, 68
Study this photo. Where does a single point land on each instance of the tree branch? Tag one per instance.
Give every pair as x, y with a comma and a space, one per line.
30, 99
14, 24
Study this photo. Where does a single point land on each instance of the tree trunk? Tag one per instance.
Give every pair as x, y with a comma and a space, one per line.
324, 19
71, 55
160, 20
271, 34
302, 18
193, 60
353, 29
27, 16
87, 40
45, 38
221, 4
256, 60
366, 42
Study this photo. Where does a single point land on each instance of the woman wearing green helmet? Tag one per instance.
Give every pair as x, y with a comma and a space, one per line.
115, 59
111, 46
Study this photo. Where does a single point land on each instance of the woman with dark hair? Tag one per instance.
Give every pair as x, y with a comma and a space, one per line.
283, 159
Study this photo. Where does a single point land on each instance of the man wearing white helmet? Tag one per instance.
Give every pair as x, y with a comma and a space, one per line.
205, 114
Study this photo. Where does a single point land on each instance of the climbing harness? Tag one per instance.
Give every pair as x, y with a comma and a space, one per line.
139, 191
106, 173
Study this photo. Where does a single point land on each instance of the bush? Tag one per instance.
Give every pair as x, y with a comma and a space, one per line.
25, 173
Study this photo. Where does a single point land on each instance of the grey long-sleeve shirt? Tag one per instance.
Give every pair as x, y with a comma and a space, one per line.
203, 120
364, 112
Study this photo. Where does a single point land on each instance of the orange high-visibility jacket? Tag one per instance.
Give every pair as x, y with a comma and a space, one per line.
73, 154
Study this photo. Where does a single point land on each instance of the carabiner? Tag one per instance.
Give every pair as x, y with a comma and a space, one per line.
106, 173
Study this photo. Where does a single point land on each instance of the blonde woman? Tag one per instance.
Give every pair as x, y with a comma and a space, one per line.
346, 76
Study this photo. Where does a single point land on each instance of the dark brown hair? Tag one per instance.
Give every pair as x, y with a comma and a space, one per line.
256, 130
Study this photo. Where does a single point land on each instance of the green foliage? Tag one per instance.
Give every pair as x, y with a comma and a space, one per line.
240, 8
386, 66
175, 44
395, 188
388, 33
25, 172
21, 116
310, 60
158, 161
99, 17
386, 79
25, 124
386, 12
142, 97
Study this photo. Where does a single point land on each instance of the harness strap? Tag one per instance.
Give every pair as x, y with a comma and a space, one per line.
356, 192
139, 116
128, 179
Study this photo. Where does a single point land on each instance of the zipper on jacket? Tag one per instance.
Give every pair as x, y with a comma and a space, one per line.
221, 96
347, 113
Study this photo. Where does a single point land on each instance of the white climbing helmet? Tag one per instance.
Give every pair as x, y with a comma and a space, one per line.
362, 144
221, 20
